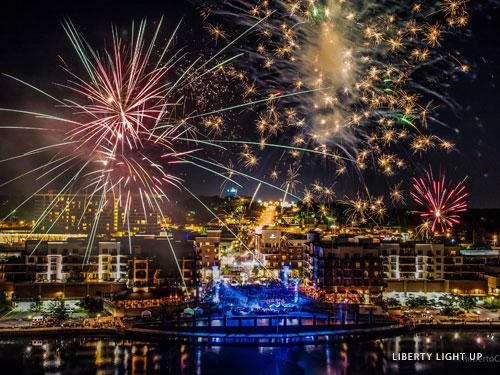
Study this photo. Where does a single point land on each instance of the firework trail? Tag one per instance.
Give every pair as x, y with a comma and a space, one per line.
127, 124
440, 201
370, 73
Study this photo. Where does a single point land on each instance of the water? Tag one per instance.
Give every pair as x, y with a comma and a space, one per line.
116, 356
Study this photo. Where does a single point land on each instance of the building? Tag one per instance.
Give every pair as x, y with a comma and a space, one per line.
190, 272
209, 249
76, 213
63, 261
433, 261
143, 272
276, 250
411, 267
111, 262
409, 260
338, 267
12, 264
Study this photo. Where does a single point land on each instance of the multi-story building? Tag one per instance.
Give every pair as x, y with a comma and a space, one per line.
208, 251
111, 262
409, 260
76, 213
276, 250
73, 261
12, 263
142, 273
411, 267
432, 261
340, 267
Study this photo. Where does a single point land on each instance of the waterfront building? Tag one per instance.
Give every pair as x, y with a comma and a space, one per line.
340, 267
410, 260
12, 263
64, 261
60, 261
430, 268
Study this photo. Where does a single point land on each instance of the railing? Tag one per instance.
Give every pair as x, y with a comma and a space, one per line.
269, 323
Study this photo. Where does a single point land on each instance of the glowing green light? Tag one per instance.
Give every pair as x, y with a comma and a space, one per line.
406, 120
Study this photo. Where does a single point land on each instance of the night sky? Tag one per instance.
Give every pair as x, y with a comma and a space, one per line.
31, 39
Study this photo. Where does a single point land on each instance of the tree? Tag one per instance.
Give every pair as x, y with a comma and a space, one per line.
57, 309
226, 270
255, 271
448, 305
4, 304
37, 305
449, 311
416, 302
391, 302
91, 304
467, 303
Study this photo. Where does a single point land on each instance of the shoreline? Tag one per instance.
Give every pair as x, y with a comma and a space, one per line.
210, 338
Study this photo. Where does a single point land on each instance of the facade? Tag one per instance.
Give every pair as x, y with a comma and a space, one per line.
190, 271
12, 263
413, 260
432, 261
111, 263
344, 268
75, 214
411, 267
208, 252
143, 272
66, 261
276, 250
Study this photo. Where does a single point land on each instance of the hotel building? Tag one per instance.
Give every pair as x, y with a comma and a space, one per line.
76, 213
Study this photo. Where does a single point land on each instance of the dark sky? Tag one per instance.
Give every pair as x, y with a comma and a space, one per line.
31, 39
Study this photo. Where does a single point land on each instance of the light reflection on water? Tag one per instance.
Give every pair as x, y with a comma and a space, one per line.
116, 356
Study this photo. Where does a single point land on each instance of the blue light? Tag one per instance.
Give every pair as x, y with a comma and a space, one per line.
231, 191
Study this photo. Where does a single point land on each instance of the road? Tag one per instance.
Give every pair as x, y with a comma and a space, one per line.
268, 216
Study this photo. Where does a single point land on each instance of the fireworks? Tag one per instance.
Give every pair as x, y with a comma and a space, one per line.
396, 194
365, 210
127, 124
440, 201
361, 70
344, 81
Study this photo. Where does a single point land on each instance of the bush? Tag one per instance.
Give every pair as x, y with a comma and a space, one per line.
491, 303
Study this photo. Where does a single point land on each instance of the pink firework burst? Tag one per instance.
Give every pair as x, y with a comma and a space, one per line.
440, 200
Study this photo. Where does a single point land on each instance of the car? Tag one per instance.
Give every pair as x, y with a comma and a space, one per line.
37, 320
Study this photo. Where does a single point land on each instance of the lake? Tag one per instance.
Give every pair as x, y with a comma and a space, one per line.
118, 356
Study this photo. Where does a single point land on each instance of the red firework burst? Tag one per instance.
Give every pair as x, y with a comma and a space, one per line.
440, 200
